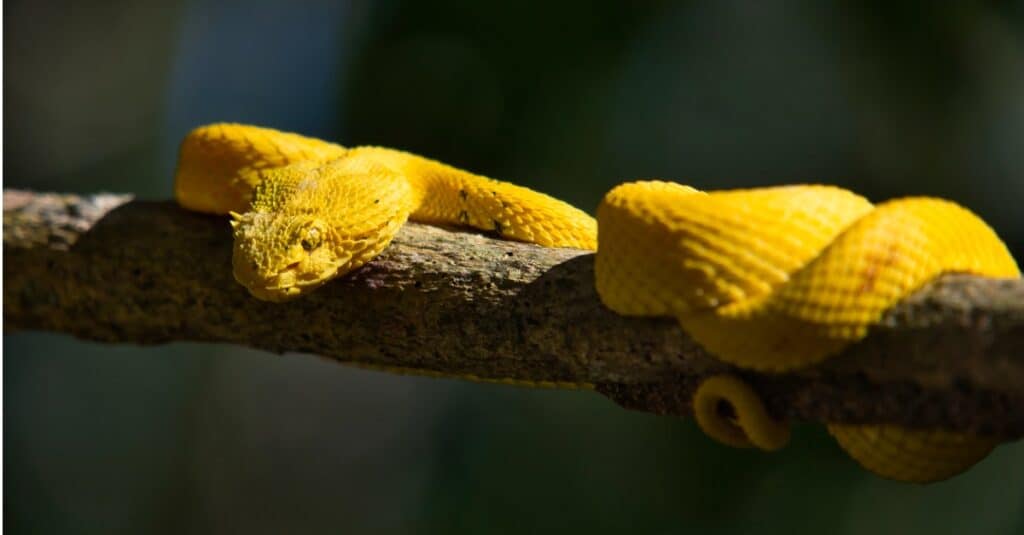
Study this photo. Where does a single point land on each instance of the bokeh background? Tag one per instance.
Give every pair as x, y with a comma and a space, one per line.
569, 97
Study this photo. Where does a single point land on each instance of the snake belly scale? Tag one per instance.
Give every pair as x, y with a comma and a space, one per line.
771, 279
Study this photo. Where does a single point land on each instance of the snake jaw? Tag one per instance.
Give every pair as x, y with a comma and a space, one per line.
275, 295
285, 284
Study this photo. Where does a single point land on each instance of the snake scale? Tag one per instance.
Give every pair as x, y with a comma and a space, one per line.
770, 279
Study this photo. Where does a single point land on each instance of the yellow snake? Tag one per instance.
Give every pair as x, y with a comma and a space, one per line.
770, 279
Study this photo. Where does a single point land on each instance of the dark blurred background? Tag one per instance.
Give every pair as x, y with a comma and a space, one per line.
570, 97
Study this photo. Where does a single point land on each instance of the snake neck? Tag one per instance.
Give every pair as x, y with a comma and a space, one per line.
433, 184
442, 194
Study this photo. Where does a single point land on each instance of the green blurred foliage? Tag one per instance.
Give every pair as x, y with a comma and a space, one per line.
568, 97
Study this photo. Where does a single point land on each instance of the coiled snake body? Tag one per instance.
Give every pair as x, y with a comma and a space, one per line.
769, 279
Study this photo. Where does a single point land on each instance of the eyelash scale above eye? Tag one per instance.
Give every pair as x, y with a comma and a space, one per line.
312, 239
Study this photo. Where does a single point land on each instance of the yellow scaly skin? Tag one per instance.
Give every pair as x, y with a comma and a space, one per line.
306, 211
777, 279
772, 279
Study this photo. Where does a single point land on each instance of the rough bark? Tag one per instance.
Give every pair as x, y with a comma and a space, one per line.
112, 269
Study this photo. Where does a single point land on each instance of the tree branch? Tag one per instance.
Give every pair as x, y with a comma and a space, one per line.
112, 269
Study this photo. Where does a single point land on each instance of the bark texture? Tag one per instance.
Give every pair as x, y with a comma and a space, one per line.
439, 301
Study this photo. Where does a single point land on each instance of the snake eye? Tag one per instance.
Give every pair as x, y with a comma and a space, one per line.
312, 239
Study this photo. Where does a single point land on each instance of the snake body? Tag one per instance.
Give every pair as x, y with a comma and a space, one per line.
770, 279
306, 211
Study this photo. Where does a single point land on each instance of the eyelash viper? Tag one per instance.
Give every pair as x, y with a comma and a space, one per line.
770, 279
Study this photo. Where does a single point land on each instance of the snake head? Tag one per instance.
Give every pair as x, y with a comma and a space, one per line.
280, 256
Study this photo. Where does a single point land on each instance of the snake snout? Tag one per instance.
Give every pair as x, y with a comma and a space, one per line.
262, 282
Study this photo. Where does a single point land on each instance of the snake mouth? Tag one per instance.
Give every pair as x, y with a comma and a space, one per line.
287, 284
280, 291
278, 294
281, 286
